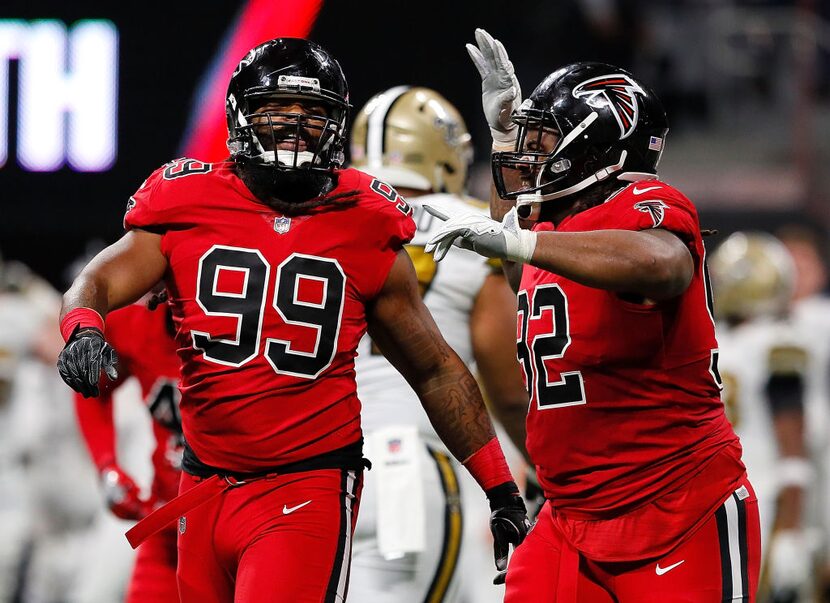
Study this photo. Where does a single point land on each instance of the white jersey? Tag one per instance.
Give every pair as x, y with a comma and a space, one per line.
51, 492
813, 316
24, 314
450, 289
749, 354
21, 320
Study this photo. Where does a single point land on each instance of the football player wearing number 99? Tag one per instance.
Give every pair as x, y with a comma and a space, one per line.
647, 496
276, 262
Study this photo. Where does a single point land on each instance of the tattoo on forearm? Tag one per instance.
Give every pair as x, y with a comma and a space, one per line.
455, 408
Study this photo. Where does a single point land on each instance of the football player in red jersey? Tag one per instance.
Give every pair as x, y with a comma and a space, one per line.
277, 261
146, 351
647, 497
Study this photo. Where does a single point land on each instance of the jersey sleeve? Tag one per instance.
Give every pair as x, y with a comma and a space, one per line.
660, 208
161, 202
401, 230
143, 207
389, 226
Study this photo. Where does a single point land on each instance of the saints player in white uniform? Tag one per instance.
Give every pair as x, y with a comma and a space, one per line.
811, 310
24, 310
412, 535
766, 362
57, 543
46, 498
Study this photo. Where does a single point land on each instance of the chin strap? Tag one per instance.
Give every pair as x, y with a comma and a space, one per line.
528, 205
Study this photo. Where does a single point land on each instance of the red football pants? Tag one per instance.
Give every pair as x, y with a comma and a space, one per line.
719, 562
285, 538
154, 573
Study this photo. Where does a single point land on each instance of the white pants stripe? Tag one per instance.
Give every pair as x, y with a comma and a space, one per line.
731, 520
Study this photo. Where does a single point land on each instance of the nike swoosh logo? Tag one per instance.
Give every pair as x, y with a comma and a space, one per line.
637, 191
287, 510
662, 570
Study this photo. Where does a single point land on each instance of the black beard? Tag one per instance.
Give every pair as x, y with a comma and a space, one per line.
291, 192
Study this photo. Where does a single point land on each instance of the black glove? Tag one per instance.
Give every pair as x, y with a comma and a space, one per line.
508, 523
80, 363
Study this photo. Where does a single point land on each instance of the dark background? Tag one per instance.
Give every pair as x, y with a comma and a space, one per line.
48, 219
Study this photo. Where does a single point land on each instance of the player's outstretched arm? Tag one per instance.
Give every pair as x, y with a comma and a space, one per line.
402, 327
118, 275
654, 264
493, 334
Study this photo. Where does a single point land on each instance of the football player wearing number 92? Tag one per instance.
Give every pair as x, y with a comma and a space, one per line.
647, 496
276, 262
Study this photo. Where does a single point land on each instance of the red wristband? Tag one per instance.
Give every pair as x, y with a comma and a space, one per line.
488, 467
83, 318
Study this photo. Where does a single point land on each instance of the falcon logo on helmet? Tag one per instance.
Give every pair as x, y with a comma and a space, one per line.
657, 210
616, 91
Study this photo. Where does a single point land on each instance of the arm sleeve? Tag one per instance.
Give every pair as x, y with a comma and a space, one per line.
393, 227
669, 212
159, 204
95, 419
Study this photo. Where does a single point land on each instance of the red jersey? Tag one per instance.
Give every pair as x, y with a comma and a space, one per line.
268, 308
625, 403
144, 342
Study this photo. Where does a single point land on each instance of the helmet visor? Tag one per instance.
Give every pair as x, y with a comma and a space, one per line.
532, 166
291, 133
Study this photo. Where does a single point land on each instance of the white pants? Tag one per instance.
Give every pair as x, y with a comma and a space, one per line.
429, 575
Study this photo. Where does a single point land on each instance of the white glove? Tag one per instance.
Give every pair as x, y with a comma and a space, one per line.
470, 230
790, 562
500, 90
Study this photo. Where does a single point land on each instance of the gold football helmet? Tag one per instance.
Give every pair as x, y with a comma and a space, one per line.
412, 138
753, 275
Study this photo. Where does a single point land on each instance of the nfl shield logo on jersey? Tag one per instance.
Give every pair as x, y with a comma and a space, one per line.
282, 224
182, 525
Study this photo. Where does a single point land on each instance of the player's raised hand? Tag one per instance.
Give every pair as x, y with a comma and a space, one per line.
80, 363
505, 240
508, 523
500, 90
123, 496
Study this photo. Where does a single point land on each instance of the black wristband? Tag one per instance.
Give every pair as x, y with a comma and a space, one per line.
505, 495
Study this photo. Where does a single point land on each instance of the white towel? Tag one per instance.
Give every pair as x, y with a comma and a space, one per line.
395, 452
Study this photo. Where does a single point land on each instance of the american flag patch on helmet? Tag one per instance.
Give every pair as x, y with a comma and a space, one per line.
655, 143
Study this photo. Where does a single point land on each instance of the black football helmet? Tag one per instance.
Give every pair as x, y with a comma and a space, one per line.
286, 69
585, 123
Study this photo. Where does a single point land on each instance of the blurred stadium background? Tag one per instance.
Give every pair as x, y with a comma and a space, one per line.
94, 96
746, 86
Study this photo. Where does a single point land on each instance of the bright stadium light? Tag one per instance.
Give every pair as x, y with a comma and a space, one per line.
68, 93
